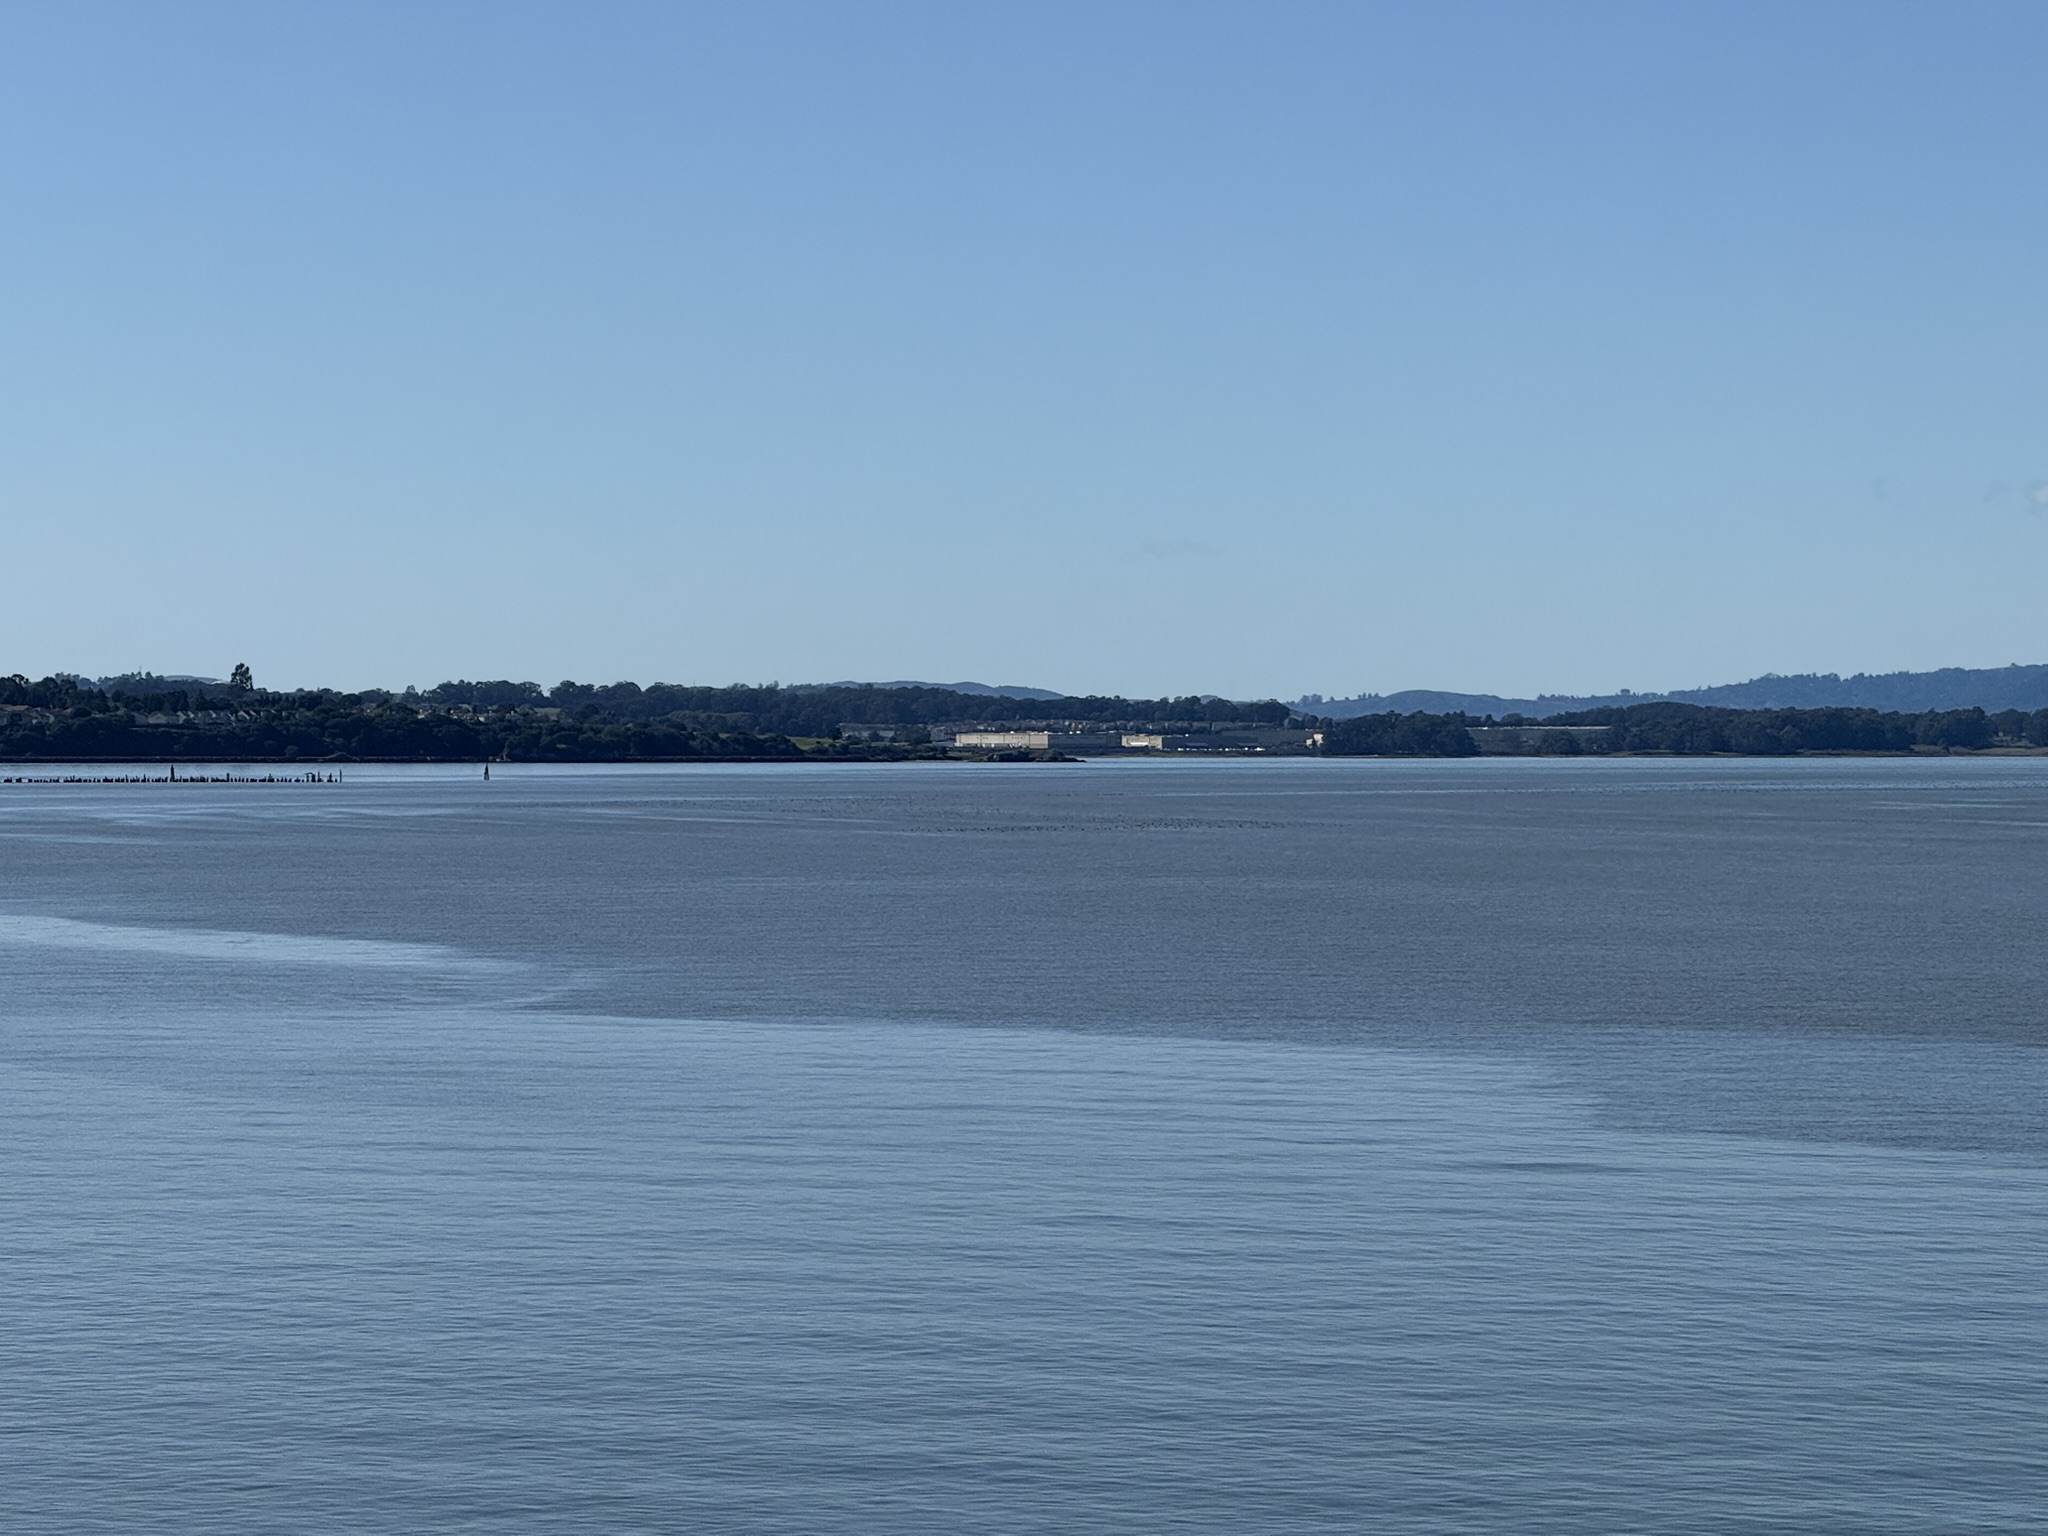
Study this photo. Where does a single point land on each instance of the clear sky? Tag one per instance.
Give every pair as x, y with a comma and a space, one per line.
1250, 348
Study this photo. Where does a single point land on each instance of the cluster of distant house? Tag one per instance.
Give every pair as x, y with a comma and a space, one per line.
27, 715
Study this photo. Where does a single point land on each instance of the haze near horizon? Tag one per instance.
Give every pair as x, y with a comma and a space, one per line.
1143, 349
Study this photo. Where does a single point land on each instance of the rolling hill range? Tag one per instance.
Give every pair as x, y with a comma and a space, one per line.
1989, 688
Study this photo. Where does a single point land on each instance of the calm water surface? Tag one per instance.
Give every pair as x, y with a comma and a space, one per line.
1217, 1147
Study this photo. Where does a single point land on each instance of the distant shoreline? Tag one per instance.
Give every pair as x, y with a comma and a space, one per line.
65, 719
302, 771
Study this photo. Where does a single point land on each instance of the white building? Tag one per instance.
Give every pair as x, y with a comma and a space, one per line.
1005, 741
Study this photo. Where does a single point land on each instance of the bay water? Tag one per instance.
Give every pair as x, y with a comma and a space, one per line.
1247, 1146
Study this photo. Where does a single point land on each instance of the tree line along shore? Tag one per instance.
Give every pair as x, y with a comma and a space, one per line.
146, 719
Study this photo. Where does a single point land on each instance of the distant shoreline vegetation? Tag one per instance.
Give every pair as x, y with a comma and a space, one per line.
1688, 730
148, 719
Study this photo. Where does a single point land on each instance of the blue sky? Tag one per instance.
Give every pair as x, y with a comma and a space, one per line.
1150, 348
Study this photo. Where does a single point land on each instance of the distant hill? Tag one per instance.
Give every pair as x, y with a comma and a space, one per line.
985, 690
1429, 702
1990, 688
